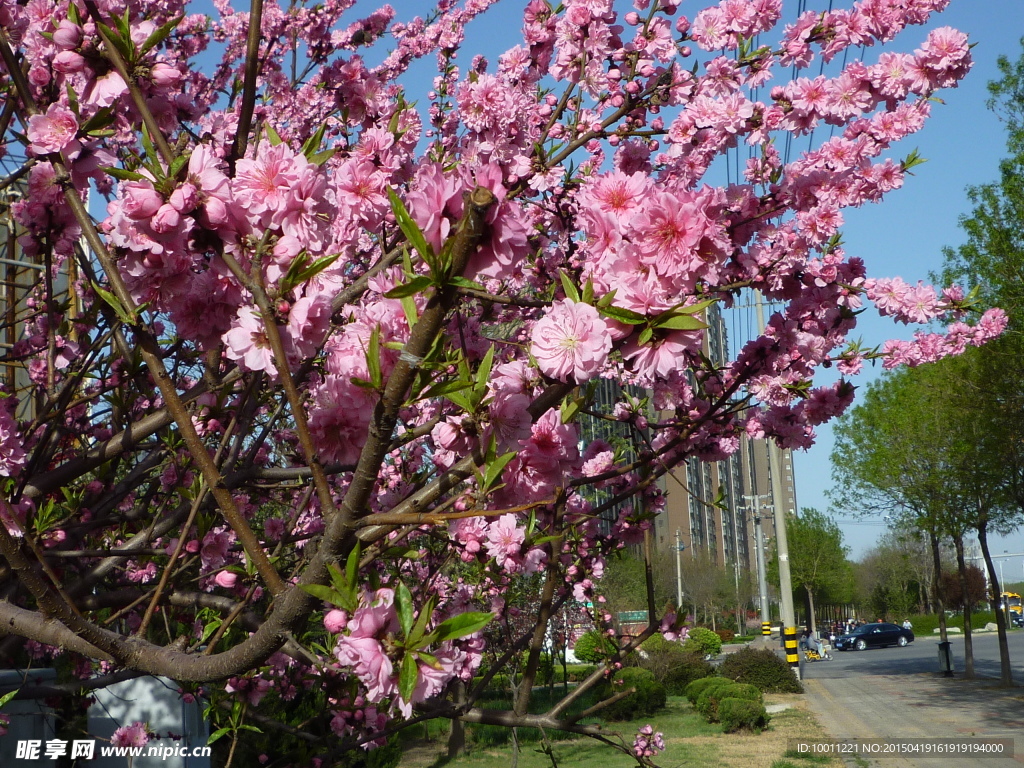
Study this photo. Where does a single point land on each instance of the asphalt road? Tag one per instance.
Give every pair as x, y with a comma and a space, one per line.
897, 693
922, 656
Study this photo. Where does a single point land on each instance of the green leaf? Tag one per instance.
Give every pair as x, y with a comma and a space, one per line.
312, 144
495, 468
483, 373
159, 34
120, 40
462, 625
323, 593
124, 175
403, 602
411, 288
272, 136
320, 158
352, 564
101, 119
177, 165
570, 407
147, 144
413, 639
445, 388
680, 323
123, 315
408, 677
693, 309
8, 696
318, 266
568, 287
588, 292
465, 282
373, 359
412, 231
217, 734
627, 316
645, 335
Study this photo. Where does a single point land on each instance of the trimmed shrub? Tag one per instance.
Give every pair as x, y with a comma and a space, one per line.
703, 641
593, 647
761, 668
695, 689
647, 699
726, 635
735, 714
707, 703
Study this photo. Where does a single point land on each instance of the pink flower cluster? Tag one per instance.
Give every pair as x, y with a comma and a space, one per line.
647, 743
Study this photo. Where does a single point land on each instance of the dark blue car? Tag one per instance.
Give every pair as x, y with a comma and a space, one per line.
877, 635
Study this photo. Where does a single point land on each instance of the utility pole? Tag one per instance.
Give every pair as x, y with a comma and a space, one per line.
679, 573
785, 578
753, 503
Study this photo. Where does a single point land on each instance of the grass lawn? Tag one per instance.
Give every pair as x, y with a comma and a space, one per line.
689, 741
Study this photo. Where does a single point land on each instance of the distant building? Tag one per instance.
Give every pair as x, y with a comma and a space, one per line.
742, 485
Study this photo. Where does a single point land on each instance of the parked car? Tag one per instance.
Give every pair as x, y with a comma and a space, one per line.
877, 635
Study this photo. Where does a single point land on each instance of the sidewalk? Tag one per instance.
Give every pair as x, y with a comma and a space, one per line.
920, 706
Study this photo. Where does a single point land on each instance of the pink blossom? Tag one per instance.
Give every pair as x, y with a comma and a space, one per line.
571, 340
53, 131
247, 343
505, 540
134, 735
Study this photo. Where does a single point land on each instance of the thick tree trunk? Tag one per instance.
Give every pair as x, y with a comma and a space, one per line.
457, 737
961, 564
1005, 671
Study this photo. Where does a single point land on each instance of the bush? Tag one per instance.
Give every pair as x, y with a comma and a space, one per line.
736, 713
709, 700
647, 699
593, 647
725, 635
761, 668
671, 666
697, 687
688, 668
703, 641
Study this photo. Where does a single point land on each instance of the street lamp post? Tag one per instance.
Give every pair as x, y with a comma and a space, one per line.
679, 571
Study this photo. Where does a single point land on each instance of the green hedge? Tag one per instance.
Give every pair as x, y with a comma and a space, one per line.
735, 714
926, 624
709, 700
762, 668
697, 687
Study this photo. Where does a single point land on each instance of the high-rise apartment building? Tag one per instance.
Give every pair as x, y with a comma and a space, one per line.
712, 504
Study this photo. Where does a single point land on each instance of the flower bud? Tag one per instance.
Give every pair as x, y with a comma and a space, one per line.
67, 36
226, 579
166, 219
141, 201
184, 198
68, 62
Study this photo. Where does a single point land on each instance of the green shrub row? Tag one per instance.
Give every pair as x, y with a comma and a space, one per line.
734, 705
926, 624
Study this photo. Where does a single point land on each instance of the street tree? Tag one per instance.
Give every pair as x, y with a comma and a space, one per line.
294, 393
819, 568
